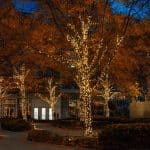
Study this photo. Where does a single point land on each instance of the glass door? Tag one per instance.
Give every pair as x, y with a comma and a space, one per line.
36, 116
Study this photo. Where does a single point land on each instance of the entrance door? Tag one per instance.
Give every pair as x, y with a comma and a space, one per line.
43, 113
36, 116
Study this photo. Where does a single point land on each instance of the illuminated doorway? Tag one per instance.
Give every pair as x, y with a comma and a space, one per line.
36, 116
50, 114
43, 113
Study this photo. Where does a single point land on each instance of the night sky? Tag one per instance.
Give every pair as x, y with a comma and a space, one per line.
118, 7
27, 6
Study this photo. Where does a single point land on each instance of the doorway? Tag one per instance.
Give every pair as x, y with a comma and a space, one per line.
36, 116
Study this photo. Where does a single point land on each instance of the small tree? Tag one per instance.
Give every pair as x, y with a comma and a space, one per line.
134, 90
19, 77
52, 98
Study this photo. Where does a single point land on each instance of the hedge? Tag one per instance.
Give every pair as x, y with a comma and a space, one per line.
16, 125
125, 136
74, 141
100, 122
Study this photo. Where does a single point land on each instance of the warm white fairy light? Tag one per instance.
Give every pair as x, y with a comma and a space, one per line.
52, 98
81, 64
3, 92
86, 68
2, 88
20, 77
106, 93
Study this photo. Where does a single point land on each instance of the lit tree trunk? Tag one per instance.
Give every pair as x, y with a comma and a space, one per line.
20, 76
23, 103
2, 94
106, 109
107, 94
85, 94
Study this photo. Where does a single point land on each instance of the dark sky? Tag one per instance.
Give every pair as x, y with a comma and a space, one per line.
117, 7
26, 5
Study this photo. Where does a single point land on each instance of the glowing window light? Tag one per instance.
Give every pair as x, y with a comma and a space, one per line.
50, 114
36, 116
43, 113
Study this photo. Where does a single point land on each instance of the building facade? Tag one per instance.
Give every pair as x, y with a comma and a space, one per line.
37, 108
9, 106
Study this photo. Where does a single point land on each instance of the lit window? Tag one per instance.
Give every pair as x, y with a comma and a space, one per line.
43, 113
36, 116
50, 114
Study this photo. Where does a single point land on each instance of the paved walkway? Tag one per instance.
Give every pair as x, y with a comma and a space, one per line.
18, 140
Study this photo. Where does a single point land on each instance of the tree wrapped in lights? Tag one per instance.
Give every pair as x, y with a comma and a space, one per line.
83, 70
95, 36
52, 97
3, 92
86, 68
19, 77
86, 53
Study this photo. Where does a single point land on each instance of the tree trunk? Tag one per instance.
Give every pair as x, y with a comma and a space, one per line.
87, 110
106, 110
23, 104
88, 116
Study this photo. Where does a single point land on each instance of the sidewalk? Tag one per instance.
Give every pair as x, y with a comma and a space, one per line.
18, 140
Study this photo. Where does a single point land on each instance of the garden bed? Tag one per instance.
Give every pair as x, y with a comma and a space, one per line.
74, 141
115, 137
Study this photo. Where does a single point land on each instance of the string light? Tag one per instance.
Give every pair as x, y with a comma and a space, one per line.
81, 64
20, 77
52, 98
86, 68
3, 92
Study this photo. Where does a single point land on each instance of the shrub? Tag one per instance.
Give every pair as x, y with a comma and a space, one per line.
43, 136
48, 137
80, 141
67, 123
125, 136
15, 125
39, 135
98, 122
